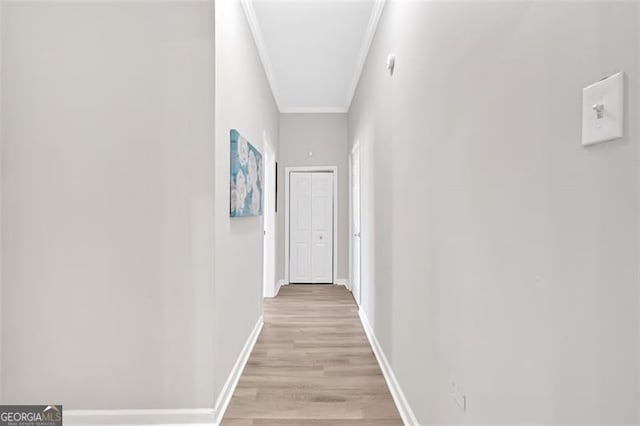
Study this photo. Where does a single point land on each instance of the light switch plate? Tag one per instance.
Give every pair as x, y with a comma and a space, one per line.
603, 110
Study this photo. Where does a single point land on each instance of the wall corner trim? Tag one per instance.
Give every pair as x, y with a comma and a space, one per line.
232, 381
408, 417
195, 416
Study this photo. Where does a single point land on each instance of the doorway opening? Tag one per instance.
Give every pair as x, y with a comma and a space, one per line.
269, 217
311, 206
355, 228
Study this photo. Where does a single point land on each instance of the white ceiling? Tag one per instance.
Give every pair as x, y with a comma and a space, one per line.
313, 50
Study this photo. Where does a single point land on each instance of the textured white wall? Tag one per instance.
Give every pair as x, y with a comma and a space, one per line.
108, 201
243, 102
498, 252
326, 136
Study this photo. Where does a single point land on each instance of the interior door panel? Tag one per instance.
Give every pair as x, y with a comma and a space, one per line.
311, 227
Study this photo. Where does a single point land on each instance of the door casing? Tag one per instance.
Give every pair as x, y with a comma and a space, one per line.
355, 256
269, 217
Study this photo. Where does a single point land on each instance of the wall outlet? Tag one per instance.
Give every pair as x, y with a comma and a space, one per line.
458, 396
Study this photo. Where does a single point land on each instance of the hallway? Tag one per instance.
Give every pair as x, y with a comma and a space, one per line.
312, 365
457, 181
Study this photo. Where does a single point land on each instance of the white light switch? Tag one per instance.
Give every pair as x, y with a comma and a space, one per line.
603, 110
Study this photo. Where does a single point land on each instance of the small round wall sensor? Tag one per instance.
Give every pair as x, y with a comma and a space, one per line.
391, 63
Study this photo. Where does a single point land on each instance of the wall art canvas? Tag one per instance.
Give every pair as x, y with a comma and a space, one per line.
246, 177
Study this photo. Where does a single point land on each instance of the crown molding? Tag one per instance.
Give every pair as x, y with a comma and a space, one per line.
376, 12
250, 13
372, 26
314, 110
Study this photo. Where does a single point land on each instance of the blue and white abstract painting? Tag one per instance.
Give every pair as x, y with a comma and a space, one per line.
246, 177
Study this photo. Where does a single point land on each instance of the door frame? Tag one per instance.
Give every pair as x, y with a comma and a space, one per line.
358, 297
269, 281
310, 169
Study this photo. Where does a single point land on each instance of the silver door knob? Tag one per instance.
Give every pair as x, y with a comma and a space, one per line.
357, 235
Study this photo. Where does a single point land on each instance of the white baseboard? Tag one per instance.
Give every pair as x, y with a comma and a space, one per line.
342, 281
408, 418
170, 417
232, 381
278, 286
276, 289
165, 417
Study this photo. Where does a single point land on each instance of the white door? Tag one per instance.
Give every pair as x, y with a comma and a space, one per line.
355, 223
268, 193
322, 227
300, 228
311, 227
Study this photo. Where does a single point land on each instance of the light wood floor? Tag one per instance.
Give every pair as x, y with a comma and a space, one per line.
312, 365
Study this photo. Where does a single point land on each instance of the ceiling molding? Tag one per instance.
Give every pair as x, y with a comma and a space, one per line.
314, 110
250, 13
376, 13
258, 37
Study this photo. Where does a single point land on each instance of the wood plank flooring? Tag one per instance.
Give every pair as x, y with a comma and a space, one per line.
312, 365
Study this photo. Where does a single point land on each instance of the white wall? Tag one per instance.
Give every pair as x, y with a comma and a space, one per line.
107, 113
325, 135
244, 102
505, 255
